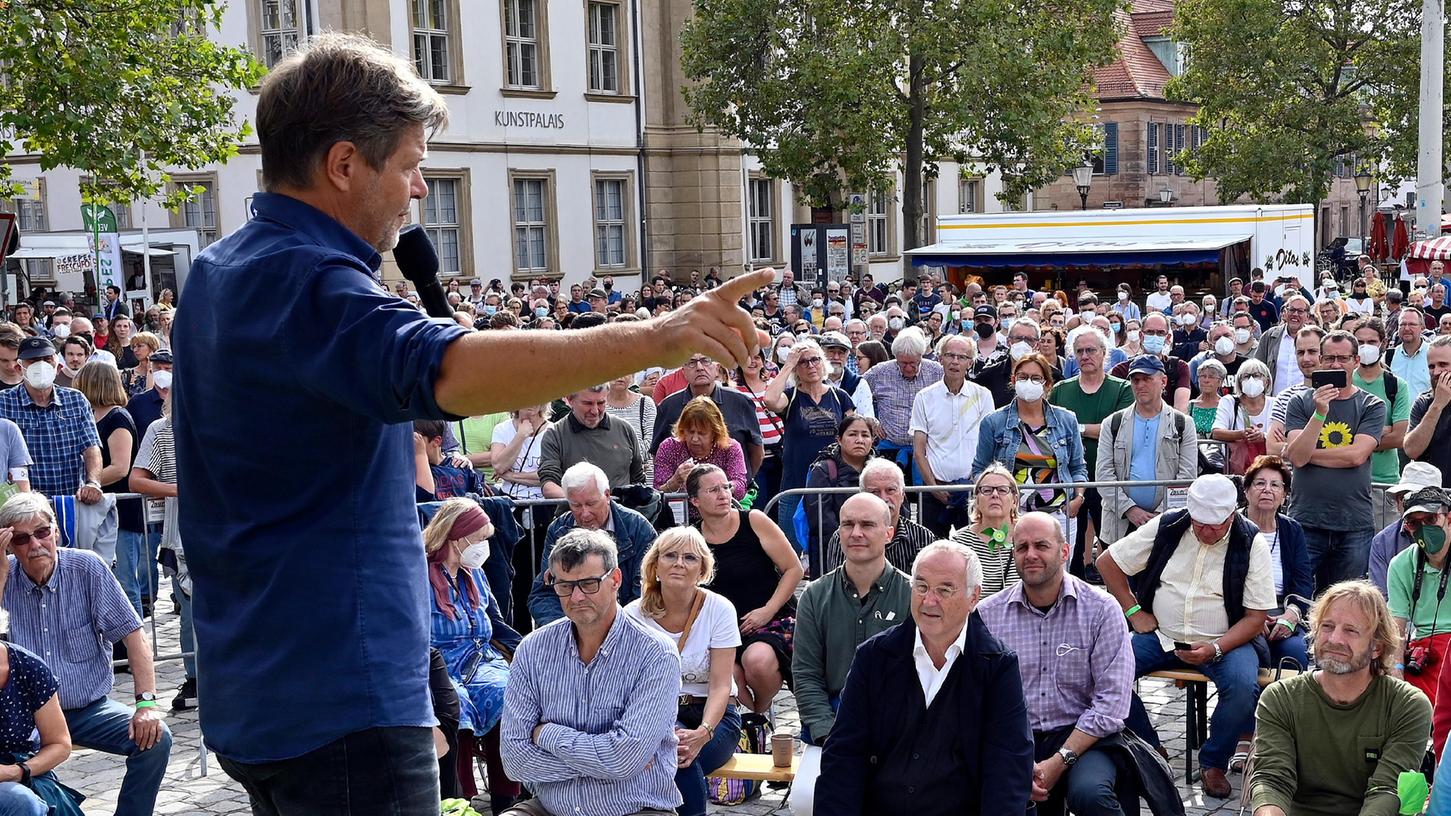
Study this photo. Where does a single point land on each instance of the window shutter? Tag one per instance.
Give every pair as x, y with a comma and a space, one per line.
1152, 134
1178, 148
1110, 148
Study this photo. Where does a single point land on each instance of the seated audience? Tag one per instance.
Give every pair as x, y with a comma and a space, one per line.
990, 527
883, 479
440, 478
1417, 580
699, 437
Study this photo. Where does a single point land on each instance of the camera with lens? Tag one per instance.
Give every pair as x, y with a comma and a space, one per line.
1418, 659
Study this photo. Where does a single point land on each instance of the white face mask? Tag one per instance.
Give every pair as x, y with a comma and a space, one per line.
1252, 386
1133, 335
1028, 391
1369, 355
1241, 336
782, 352
1224, 346
1123, 295
816, 304
40, 374
474, 556
1019, 350
1187, 319
1086, 316
895, 324
161, 379
61, 330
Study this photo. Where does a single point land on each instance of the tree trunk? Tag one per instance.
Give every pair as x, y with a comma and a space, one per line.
912, 172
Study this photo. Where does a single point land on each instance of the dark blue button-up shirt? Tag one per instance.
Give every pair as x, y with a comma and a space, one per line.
296, 376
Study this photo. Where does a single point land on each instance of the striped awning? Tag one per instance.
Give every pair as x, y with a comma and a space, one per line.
1435, 249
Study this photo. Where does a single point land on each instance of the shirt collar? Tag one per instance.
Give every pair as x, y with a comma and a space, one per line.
316, 224
52, 584
879, 584
919, 649
579, 427
1016, 595
610, 637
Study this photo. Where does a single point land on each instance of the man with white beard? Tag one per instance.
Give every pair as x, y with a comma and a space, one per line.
1337, 740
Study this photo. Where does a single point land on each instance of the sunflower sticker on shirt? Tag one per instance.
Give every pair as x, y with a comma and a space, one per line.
1335, 435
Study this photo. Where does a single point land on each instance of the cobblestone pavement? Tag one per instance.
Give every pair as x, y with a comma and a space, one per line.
195, 784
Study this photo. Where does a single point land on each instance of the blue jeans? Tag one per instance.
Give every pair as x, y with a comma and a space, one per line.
1337, 555
102, 726
188, 634
18, 800
1292, 647
785, 513
1236, 677
136, 565
376, 771
691, 779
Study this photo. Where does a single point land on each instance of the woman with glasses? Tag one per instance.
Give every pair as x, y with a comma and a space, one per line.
467, 626
674, 603
752, 381
991, 517
1243, 420
810, 408
757, 571
699, 437
1038, 442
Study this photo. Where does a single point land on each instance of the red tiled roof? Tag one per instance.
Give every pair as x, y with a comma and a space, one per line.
1137, 73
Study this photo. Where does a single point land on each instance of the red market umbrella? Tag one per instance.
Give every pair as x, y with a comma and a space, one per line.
1377, 249
1401, 242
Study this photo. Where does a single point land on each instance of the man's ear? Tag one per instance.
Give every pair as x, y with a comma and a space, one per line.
341, 167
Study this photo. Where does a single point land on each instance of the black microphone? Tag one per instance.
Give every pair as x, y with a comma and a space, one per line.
418, 261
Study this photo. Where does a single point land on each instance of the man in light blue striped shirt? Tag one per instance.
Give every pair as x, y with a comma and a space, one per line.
589, 715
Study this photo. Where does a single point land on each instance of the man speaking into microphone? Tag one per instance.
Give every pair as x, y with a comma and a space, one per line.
299, 381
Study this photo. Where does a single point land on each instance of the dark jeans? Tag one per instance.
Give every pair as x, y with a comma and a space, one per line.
939, 517
1337, 555
104, 725
1092, 509
376, 772
1236, 677
690, 780
1089, 788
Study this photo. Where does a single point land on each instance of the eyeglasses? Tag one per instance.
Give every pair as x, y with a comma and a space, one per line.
942, 593
1030, 378
995, 490
588, 586
1265, 484
1295, 310
1332, 359
21, 539
700, 362
809, 361
687, 558
953, 355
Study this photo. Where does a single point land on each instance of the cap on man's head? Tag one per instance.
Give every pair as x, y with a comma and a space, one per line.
834, 339
476, 282
1427, 500
35, 348
161, 356
985, 311
597, 293
1415, 476
1146, 364
1212, 499
49, 303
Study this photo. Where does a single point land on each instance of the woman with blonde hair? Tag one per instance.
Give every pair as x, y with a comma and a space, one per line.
467, 626
700, 437
138, 378
991, 518
702, 625
100, 382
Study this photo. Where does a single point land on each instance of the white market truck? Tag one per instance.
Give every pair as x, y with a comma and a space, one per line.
1198, 247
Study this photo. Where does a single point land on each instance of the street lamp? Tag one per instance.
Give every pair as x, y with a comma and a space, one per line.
1082, 178
1362, 186
1166, 196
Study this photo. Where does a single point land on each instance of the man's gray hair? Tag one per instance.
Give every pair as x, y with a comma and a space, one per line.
881, 467
1093, 334
879, 317
578, 544
593, 389
856, 321
24, 507
946, 338
972, 566
910, 342
1031, 323
339, 88
1440, 341
583, 474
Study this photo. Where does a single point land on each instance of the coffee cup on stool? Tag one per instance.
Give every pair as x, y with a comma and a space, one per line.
783, 746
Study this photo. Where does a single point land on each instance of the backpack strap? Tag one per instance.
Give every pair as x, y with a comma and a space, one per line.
1392, 386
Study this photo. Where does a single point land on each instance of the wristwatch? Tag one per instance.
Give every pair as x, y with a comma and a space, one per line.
1218, 652
145, 697
1068, 756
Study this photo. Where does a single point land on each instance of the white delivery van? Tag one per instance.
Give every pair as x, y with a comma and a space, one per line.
66, 262
1199, 247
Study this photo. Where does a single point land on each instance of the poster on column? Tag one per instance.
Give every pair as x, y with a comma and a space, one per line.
808, 254
106, 248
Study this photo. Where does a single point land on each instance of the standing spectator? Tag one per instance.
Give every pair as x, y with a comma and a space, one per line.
15, 459
1159, 299
67, 609
1205, 407
1360, 303
74, 353
1307, 359
700, 437
811, 409
751, 381
1124, 304
789, 292
673, 603
632, 407
58, 426
1340, 740
1429, 439
1242, 421
618, 754
1393, 538
995, 372
1189, 337
1155, 330
1261, 308
1223, 350
1040, 443
758, 573
895, 386
115, 307
1436, 306
119, 344
888, 753
1092, 396
1409, 360
1372, 377
1332, 433
120, 442
12, 373
589, 434
1146, 442
945, 419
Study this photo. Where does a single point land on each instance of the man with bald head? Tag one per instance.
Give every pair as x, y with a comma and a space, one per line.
863, 596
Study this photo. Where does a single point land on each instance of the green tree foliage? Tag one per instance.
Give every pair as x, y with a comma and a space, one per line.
1290, 88
833, 95
91, 84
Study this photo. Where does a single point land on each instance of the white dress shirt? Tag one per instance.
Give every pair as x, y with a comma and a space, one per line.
929, 675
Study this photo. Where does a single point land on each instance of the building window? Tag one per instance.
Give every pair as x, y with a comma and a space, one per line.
441, 220
969, 195
604, 48
927, 234
200, 211
761, 219
29, 208
533, 210
879, 223
1105, 158
611, 204
431, 22
281, 28
522, 44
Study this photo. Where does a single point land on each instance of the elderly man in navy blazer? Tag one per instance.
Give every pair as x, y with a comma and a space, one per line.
932, 719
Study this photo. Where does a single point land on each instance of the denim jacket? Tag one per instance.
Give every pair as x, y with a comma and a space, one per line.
999, 437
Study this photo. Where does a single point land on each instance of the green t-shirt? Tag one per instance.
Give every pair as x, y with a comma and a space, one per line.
1317, 757
1430, 618
476, 434
1092, 409
1385, 466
